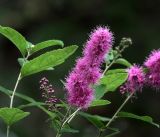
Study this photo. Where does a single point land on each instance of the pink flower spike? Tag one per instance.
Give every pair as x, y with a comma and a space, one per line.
99, 44
87, 69
153, 65
135, 81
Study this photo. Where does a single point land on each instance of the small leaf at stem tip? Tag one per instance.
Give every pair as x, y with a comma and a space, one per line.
124, 62
146, 119
100, 103
21, 61
109, 56
16, 38
46, 44
12, 115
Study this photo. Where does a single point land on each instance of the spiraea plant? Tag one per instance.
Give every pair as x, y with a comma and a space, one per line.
85, 85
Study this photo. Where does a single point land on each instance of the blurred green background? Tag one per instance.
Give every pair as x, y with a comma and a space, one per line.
71, 21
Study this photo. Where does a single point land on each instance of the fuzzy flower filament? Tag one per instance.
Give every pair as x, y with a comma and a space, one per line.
87, 69
98, 45
135, 81
152, 63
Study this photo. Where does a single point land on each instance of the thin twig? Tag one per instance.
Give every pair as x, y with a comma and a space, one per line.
115, 115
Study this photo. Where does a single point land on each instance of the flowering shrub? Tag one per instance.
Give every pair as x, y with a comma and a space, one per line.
85, 85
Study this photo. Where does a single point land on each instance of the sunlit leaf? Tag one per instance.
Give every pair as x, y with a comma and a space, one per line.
100, 103
46, 44
113, 79
124, 62
12, 115
47, 60
115, 131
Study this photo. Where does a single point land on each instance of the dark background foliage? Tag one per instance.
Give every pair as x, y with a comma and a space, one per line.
72, 21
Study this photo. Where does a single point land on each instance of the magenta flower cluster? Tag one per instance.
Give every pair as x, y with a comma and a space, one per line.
136, 77
152, 63
87, 69
135, 81
48, 93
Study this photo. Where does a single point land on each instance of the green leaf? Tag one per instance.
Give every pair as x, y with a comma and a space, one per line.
46, 44
16, 38
113, 71
124, 62
100, 90
5, 91
68, 129
12, 115
142, 118
113, 79
109, 56
49, 59
100, 103
115, 132
56, 124
95, 119
21, 61
50, 68
31, 105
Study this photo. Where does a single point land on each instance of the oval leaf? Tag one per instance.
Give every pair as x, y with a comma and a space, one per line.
46, 44
142, 118
100, 103
115, 132
95, 119
68, 129
16, 38
47, 60
12, 115
124, 62
113, 79
100, 90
